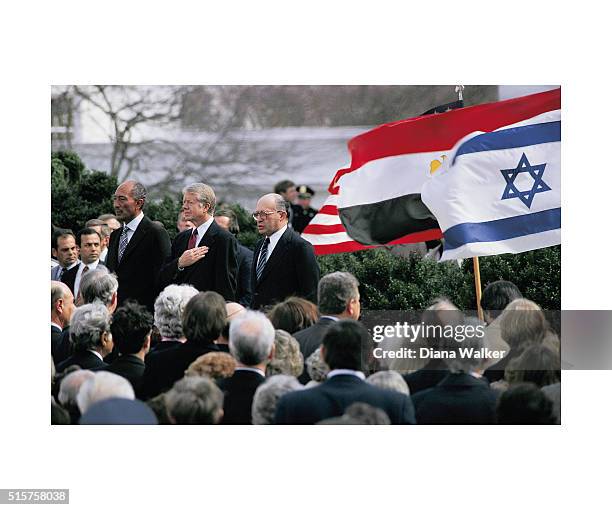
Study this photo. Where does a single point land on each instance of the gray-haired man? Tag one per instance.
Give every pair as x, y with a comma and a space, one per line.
204, 256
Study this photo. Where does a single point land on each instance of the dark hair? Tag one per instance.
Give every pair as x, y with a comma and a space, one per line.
538, 364
344, 344
294, 314
204, 317
283, 186
87, 231
234, 228
498, 295
525, 404
59, 233
130, 326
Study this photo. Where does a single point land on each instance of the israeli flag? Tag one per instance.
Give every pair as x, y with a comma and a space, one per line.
500, 192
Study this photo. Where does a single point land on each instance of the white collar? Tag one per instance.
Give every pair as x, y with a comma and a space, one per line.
203, 228
277, 235
331, 317
133, 225
251, 369
346, 371
96, 353
71, 265
56, 325
91, 265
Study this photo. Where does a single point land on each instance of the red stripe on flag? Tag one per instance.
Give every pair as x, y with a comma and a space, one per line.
329, 209
324, 229
350, 246
438, 132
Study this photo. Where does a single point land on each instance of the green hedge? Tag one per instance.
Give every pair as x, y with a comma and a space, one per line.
78, 194
389, 282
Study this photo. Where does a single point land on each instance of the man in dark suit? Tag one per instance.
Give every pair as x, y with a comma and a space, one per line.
252, 345
62, 306
342, 350
131, 329
204, 257
463, 396
136, 251
338, 296
66, 251
459, 399
226, 219
91, 337
284, 264
203, 320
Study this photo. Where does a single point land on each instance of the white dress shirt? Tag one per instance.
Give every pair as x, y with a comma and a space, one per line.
202, 229
133, 225
274, 238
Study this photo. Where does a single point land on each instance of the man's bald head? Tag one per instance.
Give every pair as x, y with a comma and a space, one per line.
271, 211
62, 303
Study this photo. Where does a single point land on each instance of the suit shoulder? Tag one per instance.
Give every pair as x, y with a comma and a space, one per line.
153, 226
224, 234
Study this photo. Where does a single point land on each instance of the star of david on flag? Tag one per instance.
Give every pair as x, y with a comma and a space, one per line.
481, 212
535, 171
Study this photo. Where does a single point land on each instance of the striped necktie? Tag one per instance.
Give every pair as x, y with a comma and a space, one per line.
123, 241
263, 255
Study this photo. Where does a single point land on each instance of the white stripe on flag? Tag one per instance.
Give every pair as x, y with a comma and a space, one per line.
514, 245
386, 178
317, 239
326, 219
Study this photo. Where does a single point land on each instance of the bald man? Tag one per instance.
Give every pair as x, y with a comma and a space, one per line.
284, 264
62, 306
137, 250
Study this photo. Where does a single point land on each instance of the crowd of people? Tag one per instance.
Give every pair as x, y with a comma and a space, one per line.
202, 330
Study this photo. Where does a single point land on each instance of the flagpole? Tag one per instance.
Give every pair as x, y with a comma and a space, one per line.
478, 287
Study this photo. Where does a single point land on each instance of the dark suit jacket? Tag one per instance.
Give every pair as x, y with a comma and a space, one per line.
458, 399
310, 339
334, 395
86, 360
244, 294
166, 366
69, 278
291, 270
427, 377
139, 267
131, 367
61, 348
216, 271
239, 390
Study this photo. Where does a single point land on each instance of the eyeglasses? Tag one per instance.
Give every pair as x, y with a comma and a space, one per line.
263, 214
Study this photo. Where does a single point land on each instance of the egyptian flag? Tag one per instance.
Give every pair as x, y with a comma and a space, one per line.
377, 200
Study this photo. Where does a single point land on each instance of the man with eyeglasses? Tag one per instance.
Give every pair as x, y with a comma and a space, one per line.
284, 264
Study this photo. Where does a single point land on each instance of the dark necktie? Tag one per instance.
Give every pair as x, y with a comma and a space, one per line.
192, 239
85, 269
263, 255
123, 241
